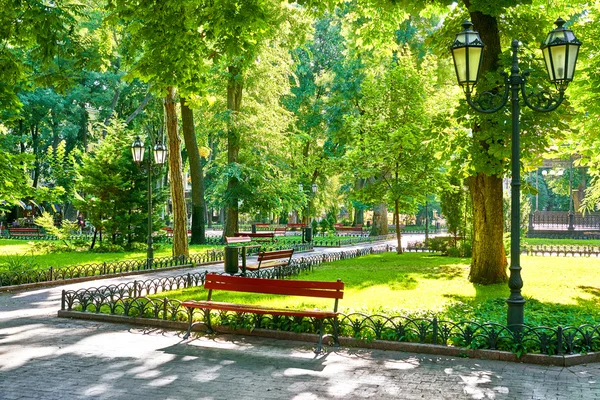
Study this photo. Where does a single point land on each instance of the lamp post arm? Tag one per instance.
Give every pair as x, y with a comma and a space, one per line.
545, 101
486, 102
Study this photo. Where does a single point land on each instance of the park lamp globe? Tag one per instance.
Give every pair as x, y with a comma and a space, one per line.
137, 150
560, 50
160, 153
467, 52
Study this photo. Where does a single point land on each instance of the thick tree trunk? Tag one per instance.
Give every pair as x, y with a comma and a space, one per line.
380, 220
398, 231
234, 103
488, 264
196, 174
180, 239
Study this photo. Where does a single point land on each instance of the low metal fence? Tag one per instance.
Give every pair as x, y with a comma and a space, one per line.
131, 300
37, 275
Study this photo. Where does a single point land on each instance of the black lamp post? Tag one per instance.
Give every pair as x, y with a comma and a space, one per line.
560, 51
160, 154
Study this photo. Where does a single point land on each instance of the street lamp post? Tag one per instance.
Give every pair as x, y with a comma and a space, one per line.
560, 51
160, 154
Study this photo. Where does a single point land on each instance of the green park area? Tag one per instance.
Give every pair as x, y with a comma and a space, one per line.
141, 131
559, 291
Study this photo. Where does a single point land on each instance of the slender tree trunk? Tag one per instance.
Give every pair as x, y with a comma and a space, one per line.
359, 213
398, 231
180, 239
234, 103
380, 220
36, 152
196, 174
488, 264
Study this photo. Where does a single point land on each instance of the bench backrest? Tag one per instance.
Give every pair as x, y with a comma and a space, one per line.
237, 239
261, 234
331, 290
274, 255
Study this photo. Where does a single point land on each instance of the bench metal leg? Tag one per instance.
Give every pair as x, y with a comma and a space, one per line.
189, 331
207, 321
320, 344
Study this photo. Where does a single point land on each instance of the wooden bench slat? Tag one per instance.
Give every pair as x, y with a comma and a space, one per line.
248, 308
212, 278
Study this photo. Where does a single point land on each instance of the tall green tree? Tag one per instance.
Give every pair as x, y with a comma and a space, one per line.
394, 137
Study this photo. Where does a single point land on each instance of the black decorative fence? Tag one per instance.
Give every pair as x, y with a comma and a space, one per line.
532, 250
38, 275
561, 250
132, 300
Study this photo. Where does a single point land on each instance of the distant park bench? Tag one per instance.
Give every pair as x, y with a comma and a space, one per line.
259, 236
272, 259
331, 290
169, 231
294, 227
262, 227
280, 231
19, 232
342, 228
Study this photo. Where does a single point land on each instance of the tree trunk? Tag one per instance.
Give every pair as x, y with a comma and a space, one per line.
359, 213
380, 220
196, 174
180, 239
398, 231
488, 264
234, 103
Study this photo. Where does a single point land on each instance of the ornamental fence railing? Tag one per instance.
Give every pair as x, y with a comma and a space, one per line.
532, 250
563, 221
132, 300
48, 274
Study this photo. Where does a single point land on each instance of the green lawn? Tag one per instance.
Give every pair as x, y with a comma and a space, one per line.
559, 290
12, 250
561, 242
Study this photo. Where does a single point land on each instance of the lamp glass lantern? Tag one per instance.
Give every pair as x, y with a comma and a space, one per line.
467, 52
314, 188
560, 50
137, 150
160, 153
300, 187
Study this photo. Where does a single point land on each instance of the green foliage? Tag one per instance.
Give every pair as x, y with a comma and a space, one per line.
115, 190
62, 233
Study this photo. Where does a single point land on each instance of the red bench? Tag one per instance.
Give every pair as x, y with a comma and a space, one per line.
263, 227
169, 231
259, 236
331, 290
294, 227
17, 232
342, 228
272, 259
279, 231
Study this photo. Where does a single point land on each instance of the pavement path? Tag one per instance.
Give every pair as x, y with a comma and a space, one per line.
45, 357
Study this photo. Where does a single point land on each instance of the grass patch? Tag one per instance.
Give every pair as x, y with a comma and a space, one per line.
12, 250
560, 291
560, 242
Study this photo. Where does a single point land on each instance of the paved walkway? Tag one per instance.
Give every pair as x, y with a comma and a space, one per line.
45, 357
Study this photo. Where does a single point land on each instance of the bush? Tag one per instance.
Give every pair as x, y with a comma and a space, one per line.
439, 244
108, 248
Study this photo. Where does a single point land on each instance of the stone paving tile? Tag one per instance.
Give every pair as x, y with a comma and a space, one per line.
45, 357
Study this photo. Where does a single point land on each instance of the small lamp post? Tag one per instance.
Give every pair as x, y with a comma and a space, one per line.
560, 50
150, 163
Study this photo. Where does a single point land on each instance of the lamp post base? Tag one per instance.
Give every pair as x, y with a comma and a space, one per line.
515, 314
